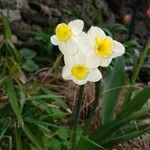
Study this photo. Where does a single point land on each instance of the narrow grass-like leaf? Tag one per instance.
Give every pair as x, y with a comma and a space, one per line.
30, 120
34, 139
6, 28
136, 103
4, 124
13, 100
5, 110
15, 106
104, 132
9, 146
18, 140
58, 99
42, 97
8, 37
114, 78
125, 137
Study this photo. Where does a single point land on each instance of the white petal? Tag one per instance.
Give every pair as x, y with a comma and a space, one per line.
84, 43
118, 49
92, 61
94, 75
54, 40
104, 62
79, 58
80, 82
68, 60
76, 26
68, 48
94, 32
66, 73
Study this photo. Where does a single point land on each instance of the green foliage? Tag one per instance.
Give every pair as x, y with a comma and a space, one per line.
28, 63
110, 97
42, 37
4, 124
136, 103
35, 116
27, 53
118, 128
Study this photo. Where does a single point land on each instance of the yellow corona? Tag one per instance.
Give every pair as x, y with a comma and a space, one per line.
79, 71
103, 46
63, 32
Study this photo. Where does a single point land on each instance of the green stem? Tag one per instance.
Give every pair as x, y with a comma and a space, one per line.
76, 115
140, 63
136, 70
95, 104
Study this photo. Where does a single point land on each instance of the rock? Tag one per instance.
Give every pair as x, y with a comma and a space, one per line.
22, 4
21, 30
33, 17
12, 14
8, 4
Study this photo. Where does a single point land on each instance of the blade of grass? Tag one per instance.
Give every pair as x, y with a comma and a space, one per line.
105, 131
6, 28
17, 111
34, 139
136, 70
126, 137
136, 103
13, 100
18, 140
5, 126
114, 78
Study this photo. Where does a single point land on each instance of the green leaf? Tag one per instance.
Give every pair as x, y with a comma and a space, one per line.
22, 97
136, 103
6, 28
4, 124
13, 100
27, 53
56, 98
126, 137
118, 27
129, 44
107, 130
63, 133
12, 50
92, 144
30, 66
108, 32
37, 122
16, 109
15, 70
18, 140
33, 138
55, 144
55, 113
43, 97
5, 110
114, 79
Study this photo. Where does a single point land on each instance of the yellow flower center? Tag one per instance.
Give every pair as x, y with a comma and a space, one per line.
63, 32
103, 46
79, 71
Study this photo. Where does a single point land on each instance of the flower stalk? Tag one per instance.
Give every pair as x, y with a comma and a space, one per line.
76, 115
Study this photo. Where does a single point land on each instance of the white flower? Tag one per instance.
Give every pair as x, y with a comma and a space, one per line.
67, 36
81, 68
103, 48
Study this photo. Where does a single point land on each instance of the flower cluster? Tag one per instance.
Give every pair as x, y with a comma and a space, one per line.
84, 52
